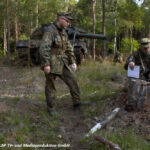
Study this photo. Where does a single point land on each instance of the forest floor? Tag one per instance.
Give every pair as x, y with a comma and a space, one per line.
24, 119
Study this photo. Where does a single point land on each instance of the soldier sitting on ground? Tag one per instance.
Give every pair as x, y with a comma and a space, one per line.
137, 92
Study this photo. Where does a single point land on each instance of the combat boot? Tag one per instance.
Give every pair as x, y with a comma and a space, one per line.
78, 104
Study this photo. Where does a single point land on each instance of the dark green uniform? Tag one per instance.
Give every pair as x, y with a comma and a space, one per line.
137, 92
57, 52
140, 60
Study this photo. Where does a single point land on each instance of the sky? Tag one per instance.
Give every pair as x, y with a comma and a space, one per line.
139, 2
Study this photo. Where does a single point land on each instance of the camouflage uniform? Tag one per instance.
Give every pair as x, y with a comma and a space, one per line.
136, 90
141, 60
57, 52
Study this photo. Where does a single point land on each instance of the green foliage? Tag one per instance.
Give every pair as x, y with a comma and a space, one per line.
130, 15
16, 99
1, 53
126, 140
96, 77
2, 139
126, 45
23, 37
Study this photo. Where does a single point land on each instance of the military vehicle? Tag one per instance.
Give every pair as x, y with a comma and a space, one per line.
29, 48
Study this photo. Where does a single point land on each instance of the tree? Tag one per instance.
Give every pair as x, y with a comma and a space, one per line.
103, 29
93, 8
130, 17
8, 30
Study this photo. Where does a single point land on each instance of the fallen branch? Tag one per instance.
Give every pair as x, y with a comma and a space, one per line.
92, 93
63, 95
107, 143
103, 123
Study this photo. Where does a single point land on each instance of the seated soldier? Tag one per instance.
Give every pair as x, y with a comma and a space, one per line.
137, 92
141, 58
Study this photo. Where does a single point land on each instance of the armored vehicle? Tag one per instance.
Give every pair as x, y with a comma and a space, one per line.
29, 48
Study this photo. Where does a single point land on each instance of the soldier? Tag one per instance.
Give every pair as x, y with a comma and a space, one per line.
137, 91
118, 58
58, 60
141, 58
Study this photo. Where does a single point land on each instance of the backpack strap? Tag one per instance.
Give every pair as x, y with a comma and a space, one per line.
142, 62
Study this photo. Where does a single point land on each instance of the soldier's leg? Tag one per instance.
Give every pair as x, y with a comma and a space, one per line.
141, 97
69, 77
131, 102
50, 90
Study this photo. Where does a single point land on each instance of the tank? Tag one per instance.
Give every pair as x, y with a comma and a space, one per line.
29, 48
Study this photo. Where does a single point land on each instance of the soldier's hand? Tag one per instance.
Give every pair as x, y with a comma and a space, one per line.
73, 66
47, 69
131, 65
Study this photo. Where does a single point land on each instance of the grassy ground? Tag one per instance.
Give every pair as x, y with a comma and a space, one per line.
24, 119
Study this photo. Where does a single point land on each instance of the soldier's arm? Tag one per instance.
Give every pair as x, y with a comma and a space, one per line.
69, 52
130, 59
45, 49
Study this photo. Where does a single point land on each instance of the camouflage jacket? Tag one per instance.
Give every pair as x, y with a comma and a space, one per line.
141, 60
55, 49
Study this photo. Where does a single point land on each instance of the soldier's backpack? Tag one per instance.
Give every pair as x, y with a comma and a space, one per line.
24, 46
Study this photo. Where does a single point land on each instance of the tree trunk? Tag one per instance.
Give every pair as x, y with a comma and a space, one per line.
115, 22
115, 39
8, 31
16, 23
29, 45
149, 31
131, 41
103, 29
93, 6
37, 13
16, 29
5, 38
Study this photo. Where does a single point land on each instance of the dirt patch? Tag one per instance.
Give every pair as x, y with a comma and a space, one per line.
139, 120
73, 125
3, 107
19, 86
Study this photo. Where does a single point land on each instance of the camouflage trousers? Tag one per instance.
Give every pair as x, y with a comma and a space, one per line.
138, 93
69, 77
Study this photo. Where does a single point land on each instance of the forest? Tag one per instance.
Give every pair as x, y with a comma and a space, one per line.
106, 121
125, 22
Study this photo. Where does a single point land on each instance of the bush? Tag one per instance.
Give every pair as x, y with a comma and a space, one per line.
126, 45
23, 37
1, 53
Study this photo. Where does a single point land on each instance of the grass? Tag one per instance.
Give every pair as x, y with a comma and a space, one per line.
96, 86
36, 126
25, 128
96, 77
126, 140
